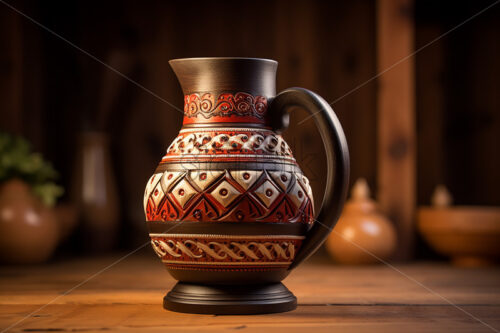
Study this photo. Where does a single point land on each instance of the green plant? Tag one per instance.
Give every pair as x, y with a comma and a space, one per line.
18, 161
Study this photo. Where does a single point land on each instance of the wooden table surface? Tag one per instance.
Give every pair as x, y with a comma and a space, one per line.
128, 297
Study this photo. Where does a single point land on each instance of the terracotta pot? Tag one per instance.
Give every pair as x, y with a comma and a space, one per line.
469, 235
229, 211
362, 235
29, 232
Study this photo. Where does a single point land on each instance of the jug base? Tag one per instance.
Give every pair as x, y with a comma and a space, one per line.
229, 299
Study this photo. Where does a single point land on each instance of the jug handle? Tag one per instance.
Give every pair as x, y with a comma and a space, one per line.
337, 156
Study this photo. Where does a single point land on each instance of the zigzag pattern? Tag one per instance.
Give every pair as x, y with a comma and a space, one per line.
224, 195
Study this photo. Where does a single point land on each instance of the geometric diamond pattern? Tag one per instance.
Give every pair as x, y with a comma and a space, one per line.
204, 178
297, 194
169, 178
225, 193
183, 191
267, 192
150, 185
246, 178
279, 196
282, 178
157, 194
305, 184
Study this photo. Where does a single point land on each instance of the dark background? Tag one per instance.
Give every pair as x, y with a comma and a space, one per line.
50, 91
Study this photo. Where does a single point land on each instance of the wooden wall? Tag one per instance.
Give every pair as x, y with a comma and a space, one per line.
327, 47
458, 108
50, 91
396, 139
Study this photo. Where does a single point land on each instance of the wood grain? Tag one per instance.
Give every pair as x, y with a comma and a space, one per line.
430, 89
396, 119
128, 297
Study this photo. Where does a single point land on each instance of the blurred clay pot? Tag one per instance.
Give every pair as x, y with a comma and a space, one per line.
469, 235
362, 234
29, 231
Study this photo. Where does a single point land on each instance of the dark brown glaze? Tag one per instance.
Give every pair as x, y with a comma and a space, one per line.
250, 75
248, 299
228, 228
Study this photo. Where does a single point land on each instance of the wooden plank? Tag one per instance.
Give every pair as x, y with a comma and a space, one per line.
347, 58
357, 299
315, 283
396, 119
297, 49
152, 318
430, 113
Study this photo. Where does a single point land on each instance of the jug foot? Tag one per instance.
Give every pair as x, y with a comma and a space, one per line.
229, 299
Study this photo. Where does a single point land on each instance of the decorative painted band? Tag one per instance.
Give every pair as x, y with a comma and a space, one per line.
238, 163
227, 128
223, 123
229, 195
227, 250
281, 263
215, 236
230, 120
219, 268
221, 143
225, 157
240, 104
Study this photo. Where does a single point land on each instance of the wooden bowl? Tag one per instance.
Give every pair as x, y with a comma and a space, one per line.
470, 235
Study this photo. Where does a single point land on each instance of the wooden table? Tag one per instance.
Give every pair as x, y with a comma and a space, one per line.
128, 297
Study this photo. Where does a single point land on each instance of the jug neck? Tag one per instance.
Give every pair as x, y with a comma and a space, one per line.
226, 91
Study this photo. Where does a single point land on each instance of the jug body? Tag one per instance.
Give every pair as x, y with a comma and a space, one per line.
228, 202
228, 209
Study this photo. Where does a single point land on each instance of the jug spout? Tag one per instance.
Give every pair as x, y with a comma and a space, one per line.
226, 90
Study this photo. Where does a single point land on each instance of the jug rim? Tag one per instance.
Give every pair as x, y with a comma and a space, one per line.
176, 60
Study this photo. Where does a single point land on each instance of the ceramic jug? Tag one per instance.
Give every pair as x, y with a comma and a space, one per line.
228, 209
